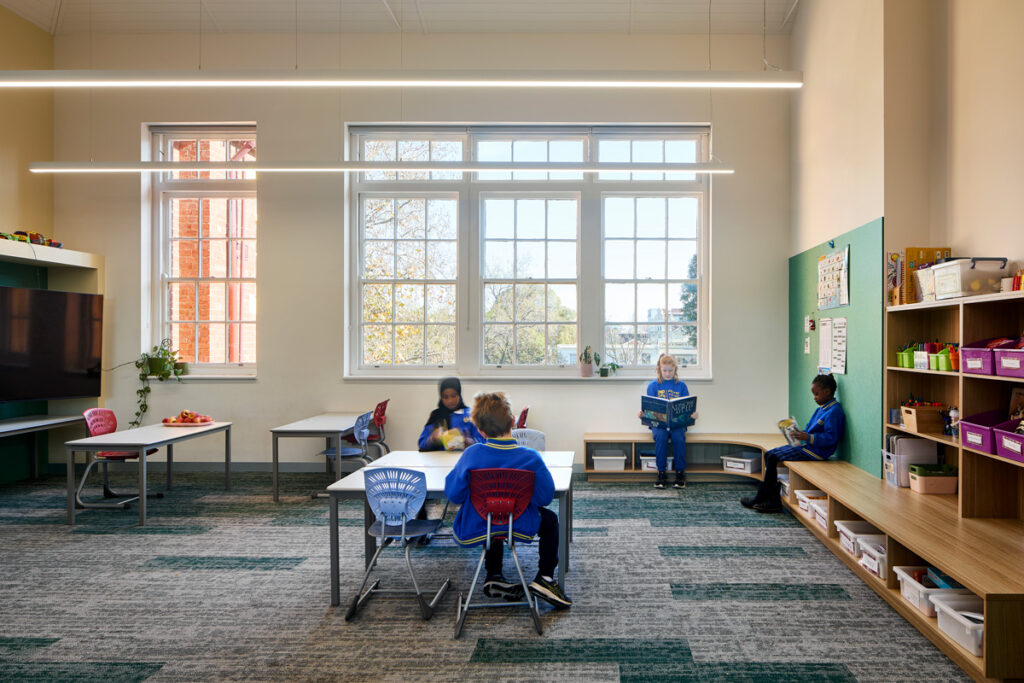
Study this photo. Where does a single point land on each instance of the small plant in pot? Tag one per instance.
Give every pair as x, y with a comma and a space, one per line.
588, 359
163, 363
609, 368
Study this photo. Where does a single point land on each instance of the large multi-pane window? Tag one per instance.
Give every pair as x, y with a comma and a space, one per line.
514, 272
205, 249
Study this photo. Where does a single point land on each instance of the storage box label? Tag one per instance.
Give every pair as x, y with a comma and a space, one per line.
974, 363
733, 465
848, 544
1009, 363
869, 563
973, 438
1011, 445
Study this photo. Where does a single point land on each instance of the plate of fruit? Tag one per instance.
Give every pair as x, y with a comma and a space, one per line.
187, 418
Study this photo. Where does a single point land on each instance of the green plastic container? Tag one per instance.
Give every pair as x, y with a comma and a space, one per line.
933, 470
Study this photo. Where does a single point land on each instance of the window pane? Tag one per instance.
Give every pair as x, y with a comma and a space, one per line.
529, 303
565, 150
650, 343
682, 216
379, 260
412, 219
499, 219
498, 349
530, 219
247, 257
377, 349
620, 344
562, 219
530, 344
409, 303
442, 259
650, 302
378, 219
530, 260
613, 150
184, 258
440, 303
379, 150
413, 150
561, 349
618, 259
529, 150
619, 303
561, 259
184, 218
650, 217
682, 258
214, 258
442, 150
682, 343
680, 152
618, 217
498, 303
211, 344
377, 303
183, 338
246, 216
440, 345
181, 304
650, 259
212, 300
498, 259
442, 219
214, 218
247, 343
409, 344
646, 152
184, 150
410, 260
562, 302
683, 299
248, 295
494, 150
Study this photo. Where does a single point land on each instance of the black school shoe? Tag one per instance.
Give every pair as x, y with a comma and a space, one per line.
497, 586
768, 507
680, 482
661, 481
748, 501
550, 592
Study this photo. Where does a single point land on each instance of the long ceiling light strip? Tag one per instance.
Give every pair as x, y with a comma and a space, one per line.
363, 166
83, 78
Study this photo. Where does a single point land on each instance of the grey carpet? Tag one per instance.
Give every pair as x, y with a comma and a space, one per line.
668, 586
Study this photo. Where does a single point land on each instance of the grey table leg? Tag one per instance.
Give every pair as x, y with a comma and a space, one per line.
71, 485
142, 487
337, 457
33, 465
170, 466
273, 470
563, 537
369, 542
332, 506
227, 459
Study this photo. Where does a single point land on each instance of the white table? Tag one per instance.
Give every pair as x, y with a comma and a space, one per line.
141, 440
35, 423
354, 487
331, 426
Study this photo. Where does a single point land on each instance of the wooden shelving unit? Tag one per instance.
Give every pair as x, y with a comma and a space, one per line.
990, 486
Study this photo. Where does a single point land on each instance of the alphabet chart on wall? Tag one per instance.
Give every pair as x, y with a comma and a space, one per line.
834, 279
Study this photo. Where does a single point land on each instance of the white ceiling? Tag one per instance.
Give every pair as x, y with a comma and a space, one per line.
64, 17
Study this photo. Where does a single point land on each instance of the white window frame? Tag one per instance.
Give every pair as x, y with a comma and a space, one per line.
162, 190
590, 283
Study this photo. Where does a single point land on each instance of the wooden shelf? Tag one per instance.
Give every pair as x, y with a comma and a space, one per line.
943, 373
1000, 458
997, 378
931, 436
47, 257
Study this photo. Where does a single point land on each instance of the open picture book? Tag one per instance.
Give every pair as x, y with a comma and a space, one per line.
787, 426
668, 413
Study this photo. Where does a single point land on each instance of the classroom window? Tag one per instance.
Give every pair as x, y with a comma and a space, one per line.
205, 250
530, 266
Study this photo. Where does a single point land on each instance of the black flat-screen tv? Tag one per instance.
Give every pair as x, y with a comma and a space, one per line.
50, 344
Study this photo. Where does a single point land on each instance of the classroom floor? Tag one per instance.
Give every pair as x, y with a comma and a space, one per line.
668, 585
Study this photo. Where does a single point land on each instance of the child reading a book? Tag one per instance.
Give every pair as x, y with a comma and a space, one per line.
493, 415
820, 437
448, 428
668, 385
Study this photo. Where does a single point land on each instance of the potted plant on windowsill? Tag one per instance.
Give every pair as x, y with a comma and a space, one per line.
588, 359
163, 363
609, 368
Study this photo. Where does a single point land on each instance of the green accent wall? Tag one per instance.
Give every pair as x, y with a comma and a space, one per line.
860, 389
15, 450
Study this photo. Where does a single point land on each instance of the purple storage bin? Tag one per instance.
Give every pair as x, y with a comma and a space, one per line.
976, 359
1009, 361
1009, 444
976, 430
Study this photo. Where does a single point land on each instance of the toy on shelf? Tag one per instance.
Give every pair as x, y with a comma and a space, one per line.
31, 238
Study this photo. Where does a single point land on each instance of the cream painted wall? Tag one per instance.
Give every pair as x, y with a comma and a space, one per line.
838, 140
983, 133
302, 246
26, 130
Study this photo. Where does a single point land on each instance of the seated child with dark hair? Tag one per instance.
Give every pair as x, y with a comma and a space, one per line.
448, 428
493, 416
821, 436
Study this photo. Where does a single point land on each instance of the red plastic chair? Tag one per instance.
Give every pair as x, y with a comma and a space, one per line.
500, 496
376, 437
521, 422
103, 421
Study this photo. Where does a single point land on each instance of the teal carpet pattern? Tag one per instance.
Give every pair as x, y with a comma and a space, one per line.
221, 585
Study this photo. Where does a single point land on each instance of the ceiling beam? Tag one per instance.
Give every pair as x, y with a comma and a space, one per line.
398, 24
58, 12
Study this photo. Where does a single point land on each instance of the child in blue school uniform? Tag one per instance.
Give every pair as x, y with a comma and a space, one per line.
821, 436
448, 427
668, 385
493, 415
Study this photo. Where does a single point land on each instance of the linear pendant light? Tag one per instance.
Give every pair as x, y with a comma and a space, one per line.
364, 166
87, 78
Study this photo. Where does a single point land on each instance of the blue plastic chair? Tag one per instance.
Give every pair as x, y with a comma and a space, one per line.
500, 496
395, 495
358, 456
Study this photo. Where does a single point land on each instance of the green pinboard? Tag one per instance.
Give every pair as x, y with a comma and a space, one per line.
860, 388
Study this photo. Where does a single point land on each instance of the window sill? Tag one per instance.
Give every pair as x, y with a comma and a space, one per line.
218, 378
517, 379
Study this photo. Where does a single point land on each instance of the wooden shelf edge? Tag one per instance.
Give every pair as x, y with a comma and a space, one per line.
931, 436
645, 475
993, 456
943, 373
998, 378
928, 626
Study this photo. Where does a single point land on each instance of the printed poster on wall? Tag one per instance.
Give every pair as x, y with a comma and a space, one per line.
834, 279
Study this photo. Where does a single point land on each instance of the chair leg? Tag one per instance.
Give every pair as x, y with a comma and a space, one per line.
110, 493
531, 599
119, 505
360, 597
463, 608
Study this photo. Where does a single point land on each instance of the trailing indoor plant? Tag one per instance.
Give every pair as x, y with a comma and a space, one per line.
609, 368
588, 359
163, 363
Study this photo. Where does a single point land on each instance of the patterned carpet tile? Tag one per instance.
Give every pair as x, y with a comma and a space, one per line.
79, 672
220, 562
731, 551
775, 592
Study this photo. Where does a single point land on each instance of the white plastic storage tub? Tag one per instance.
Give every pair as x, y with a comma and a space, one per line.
872, 553
804, 498
968, 632
849, 530
897, 465
819, 509
918, 594
744, 463
609, 461
649, 463
966, 277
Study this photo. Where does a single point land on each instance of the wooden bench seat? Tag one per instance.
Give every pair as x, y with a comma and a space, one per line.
985, 555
